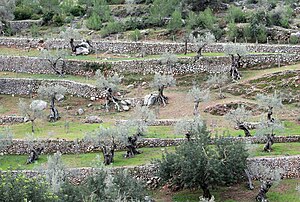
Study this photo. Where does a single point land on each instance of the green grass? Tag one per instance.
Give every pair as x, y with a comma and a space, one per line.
279, 149
84, 160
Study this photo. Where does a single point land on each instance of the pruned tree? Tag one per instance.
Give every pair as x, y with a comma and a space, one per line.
271, 102
160, 82
186, 127
169, 60
32, 111
198, 95
135, 128
110, 85
267, 176
69, 34
106, 139
236, 52
52, 93
267, 129
239, 116
201, 39
55, 58
196, 164
218, 80
6, 136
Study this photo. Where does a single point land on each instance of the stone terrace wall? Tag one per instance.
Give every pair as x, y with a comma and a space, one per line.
4, 120
148, 173
147, 47
22, 147
35, 65
19, 86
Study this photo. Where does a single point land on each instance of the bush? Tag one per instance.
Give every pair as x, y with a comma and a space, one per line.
206, 19
235, 14
232, 32
35, 17
94, 22
58, 20
135, 35
112, 28
77, 11
294, 40
176, 21
23, 13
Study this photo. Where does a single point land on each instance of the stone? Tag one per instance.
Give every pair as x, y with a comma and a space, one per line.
68, 107
150, 99
38, 105
80, 111
130, 86
128, 102
93, 119
123, 102
93, 98
125, 108
90, 105
59, 97
144, 83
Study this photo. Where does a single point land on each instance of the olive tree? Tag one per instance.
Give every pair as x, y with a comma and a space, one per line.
236, 52
201, 40
198, 95
218, 80
5, 138
196, 164
55, 58
110, 86
185, 127
269, 102
32, 111
160, 82
169, 60
135, 128
7, 9
239, 116
52, 93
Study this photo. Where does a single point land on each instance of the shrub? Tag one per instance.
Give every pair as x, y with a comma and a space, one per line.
112, 28
35, 17
23, 13
176, 21
77, 10
58, 20
135, 35
206, 19
94, 22
235, 14
294, 39
232, 32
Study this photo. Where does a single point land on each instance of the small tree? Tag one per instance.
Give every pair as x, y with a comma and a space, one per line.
218, 80
201, 40
110, 85
7, 10
5, 138
198, 95
161, 82
176, 21
239, 116
272, 102
32, 111
186, 127
52, 93
267, 176
106, 139
195, 164
135, 128
56, 60
169, 59
236, 51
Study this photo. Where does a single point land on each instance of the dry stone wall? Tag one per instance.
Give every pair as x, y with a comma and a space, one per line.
152, 48
5, 120
22, 147
34, 65
23, 86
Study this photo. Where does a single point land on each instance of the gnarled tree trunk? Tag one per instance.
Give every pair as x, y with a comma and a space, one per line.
108, 154
54, 115
245, 129
132, 147
269, 143
34, 155
270, 113
235, 64
264, 188
206, 192
111, 99
161, 98
196, 105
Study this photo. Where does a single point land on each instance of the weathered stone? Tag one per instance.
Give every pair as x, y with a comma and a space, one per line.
125, 107
38, 105
93, 119
90, 105
80, 111
131, 86
150, 99
59, 97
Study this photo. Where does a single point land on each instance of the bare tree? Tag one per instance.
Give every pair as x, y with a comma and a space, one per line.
267, 176
161, 82
186, 127
201, 40
271, 102
52, 93
198, 95
56, 60
106, 139
32, 111
236, 51
110, 85
135, 128
218, 80
239, 116
169, 59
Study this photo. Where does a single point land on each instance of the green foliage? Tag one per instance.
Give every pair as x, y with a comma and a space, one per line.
176, 21
294, 39
135, 35
103, 67
77, 10
262, 34
101, 8
206, 19
94, 22
235, 14
18, 187
23, 13
58, 20
162, 9
232, 32
195, 164
112, 28
34, 30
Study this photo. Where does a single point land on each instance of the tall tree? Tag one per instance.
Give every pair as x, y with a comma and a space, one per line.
110, 85
235, 51
198, 95
52, 93
239, 116
196, 164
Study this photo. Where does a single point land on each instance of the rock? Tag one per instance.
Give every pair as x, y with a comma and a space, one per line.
59, 97
38, 105
125, 108
68, 107
128, 102
80, 111
93, 98
123, 102
130, 86
144, 83
93, 119
90, 105
150, 99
